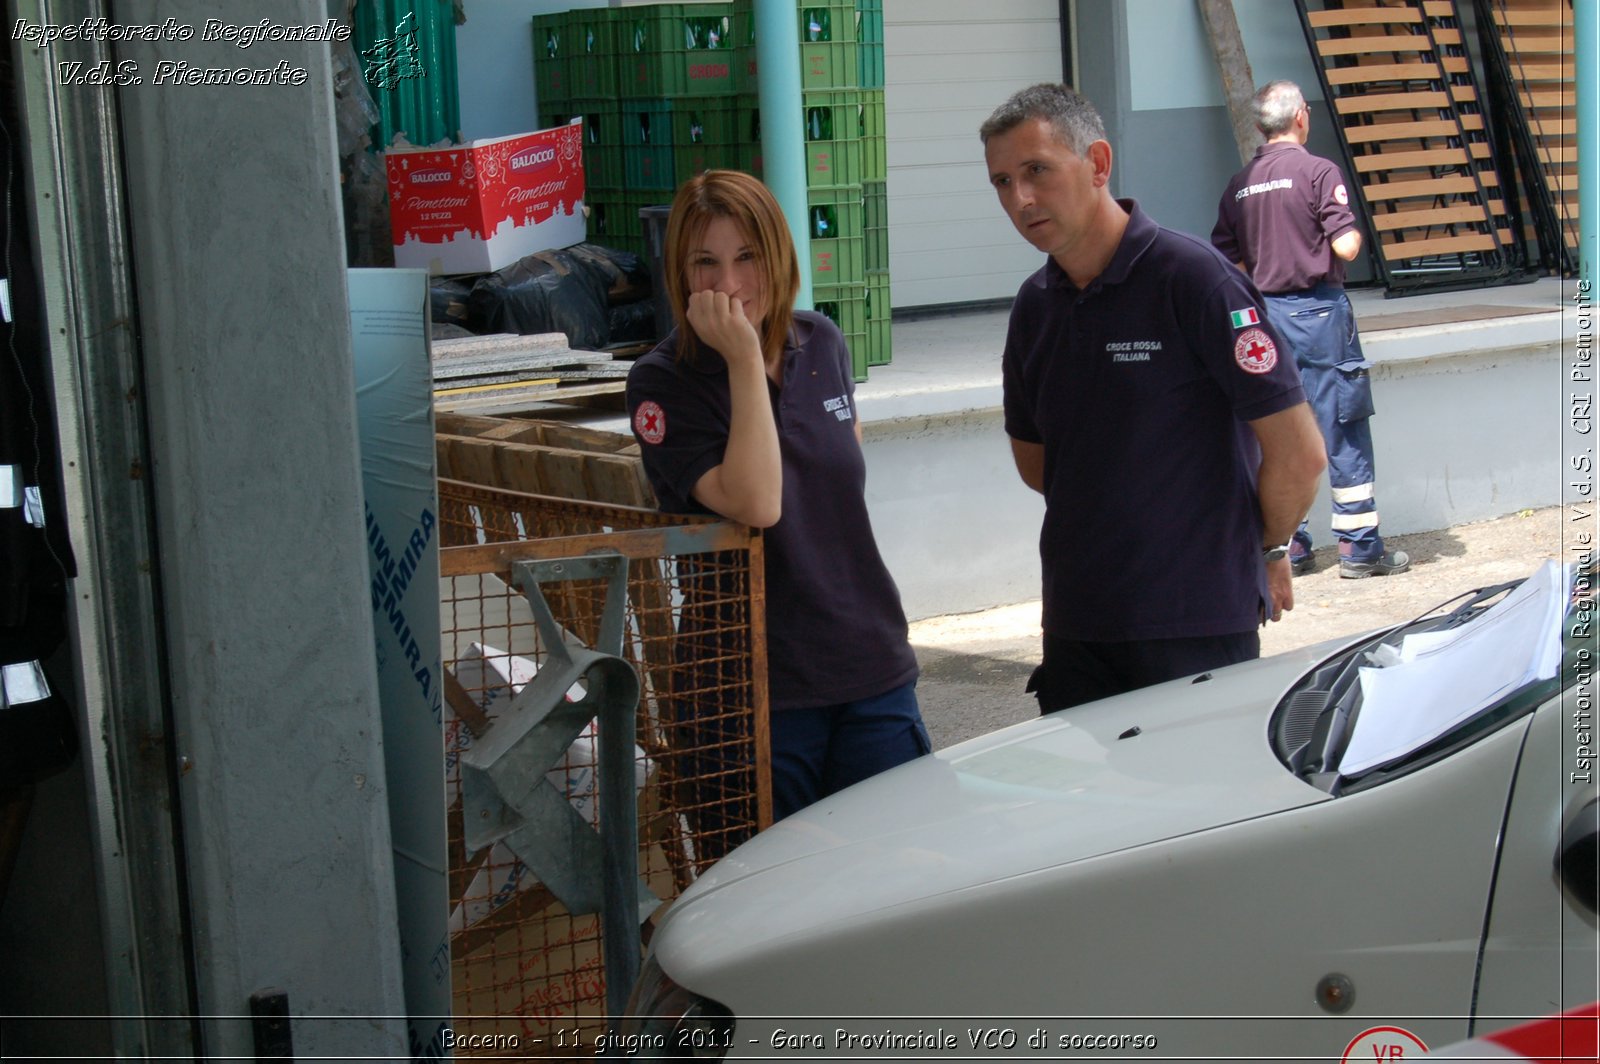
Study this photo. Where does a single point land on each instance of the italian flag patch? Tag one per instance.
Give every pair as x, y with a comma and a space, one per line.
1248, 316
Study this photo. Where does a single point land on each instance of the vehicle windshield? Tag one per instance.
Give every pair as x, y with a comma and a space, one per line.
1422, 690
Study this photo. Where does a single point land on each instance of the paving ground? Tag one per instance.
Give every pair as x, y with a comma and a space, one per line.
974, 665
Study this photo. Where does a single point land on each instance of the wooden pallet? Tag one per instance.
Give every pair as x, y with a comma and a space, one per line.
1412, 125
1528, 48
542, 458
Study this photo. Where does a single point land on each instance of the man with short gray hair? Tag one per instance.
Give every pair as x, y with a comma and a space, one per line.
1286, 220
1146, 400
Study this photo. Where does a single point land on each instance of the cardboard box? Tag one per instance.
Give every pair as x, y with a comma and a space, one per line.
480, 206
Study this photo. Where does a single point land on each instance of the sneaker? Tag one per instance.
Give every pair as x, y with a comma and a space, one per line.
1396, 561
1301, 564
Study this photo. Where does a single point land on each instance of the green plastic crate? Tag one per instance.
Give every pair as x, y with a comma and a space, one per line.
831, 120
875, 198
681, 120
827, 20
593, 75
691, 159
869, 65
879, 332
744, 46
875, 202
828, 65
705, 120
593, 31
552, 69
602, 121
649, 166
591, 48
614, 216
677, 50
835, 218
602, 163
869, 22
846, 306
602, 155
874, 142
749, 130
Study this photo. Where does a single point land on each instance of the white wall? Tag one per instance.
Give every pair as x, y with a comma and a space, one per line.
1175, 68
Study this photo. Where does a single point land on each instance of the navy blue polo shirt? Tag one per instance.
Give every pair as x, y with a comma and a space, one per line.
1139, 387
836, 631
1280, 215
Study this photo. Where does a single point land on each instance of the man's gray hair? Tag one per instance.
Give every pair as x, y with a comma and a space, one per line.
1073, 118
1275, 105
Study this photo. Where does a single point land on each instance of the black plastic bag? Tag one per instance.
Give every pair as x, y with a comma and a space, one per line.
447, 301
634, 322
551, 291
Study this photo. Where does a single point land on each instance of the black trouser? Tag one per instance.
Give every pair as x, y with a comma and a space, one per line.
1074, 671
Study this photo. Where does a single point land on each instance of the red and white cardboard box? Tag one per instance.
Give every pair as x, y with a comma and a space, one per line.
480, 206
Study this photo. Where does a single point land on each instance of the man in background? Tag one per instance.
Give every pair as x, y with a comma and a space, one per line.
1285, 219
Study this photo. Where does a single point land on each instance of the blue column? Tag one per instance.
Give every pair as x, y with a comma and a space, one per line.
783, 145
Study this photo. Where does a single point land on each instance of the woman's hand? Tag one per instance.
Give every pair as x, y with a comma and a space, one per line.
748, 485
720, 323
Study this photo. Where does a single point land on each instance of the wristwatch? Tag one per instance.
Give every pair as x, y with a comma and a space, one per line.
1274, 554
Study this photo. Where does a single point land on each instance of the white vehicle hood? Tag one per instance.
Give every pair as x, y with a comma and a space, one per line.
1038, 795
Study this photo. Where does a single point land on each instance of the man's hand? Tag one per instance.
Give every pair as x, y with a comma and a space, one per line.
1280, 585
1030, 463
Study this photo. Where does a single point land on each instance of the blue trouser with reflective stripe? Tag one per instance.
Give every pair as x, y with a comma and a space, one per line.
1319, 326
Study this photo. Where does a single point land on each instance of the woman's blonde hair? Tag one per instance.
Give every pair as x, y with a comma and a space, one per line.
740, 197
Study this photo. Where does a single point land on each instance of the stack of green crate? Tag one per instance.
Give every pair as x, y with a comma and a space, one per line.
659, 88
846, 170
668, 90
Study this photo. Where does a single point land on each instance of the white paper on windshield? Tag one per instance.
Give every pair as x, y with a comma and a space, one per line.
1444, 678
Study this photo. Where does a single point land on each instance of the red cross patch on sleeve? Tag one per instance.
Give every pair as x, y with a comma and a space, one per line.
1255, 352
650, 422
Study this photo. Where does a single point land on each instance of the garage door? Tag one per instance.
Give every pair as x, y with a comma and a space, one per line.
947, 64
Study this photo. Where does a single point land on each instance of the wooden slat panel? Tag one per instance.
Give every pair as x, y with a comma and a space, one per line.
1546, 71
1397, 130
1384, 43
1537, 43
1436, 186
1363, 16
1554, 98
1384, 72
1449, 245
1389, 101
1413, 219
1532, 18
1368, 164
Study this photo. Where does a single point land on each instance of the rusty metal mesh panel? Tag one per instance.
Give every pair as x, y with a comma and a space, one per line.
526, 971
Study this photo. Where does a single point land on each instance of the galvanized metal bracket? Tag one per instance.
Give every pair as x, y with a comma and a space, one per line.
507, 798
